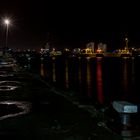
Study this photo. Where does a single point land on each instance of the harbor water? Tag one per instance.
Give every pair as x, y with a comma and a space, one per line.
94, 80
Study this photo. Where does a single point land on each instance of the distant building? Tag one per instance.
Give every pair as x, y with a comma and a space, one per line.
101, 47
47, 46
104, 47
91, 45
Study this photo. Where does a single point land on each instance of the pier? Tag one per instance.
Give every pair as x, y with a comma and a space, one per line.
31, 108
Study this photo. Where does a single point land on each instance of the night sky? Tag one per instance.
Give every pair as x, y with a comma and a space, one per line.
69, 23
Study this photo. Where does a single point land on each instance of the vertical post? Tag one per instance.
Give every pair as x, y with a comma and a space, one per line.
6, 22
126, 43
125, 119
6, 43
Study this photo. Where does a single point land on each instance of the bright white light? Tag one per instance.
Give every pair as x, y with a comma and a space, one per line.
7, 21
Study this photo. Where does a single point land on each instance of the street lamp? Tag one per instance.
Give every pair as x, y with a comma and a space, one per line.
7, 23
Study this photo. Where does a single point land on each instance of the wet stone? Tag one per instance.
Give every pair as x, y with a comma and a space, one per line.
125, 107
6, 109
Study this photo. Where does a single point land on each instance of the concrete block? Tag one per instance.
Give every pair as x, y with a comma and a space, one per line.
125, 107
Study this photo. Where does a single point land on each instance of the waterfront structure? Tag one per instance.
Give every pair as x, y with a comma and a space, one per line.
88, 52
126, 43
91, 45
101, 48
125, 52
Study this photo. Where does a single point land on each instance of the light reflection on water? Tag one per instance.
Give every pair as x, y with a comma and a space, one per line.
66, 74
101, 79
89, 86
79, 73
133, 71
125, 75
53, 69
42, 70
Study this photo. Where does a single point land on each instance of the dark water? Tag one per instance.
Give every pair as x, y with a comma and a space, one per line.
101, 80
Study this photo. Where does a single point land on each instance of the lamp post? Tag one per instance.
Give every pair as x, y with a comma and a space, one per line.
7, 23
